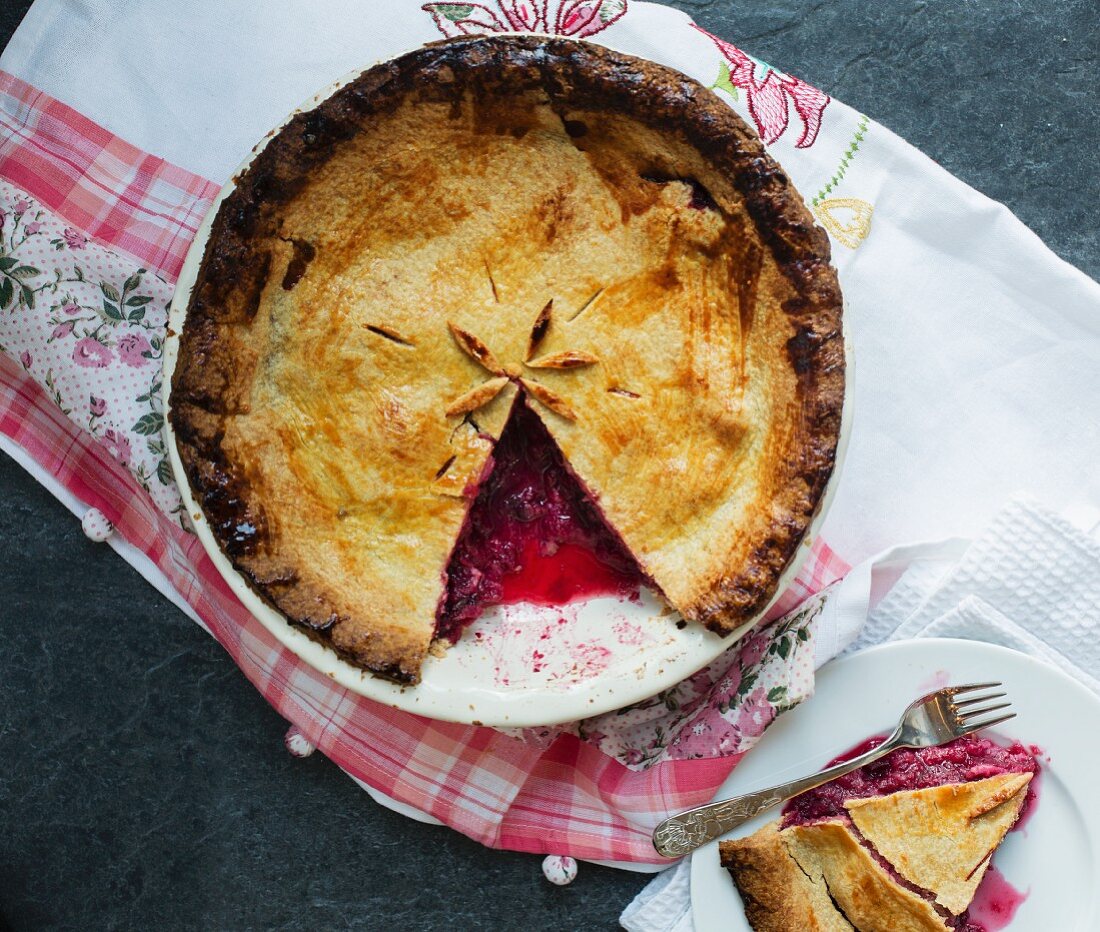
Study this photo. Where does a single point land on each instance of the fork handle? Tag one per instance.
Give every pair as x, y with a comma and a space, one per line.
681, 834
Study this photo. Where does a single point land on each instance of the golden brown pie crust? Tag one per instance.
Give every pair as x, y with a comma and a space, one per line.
333, 420
832, 874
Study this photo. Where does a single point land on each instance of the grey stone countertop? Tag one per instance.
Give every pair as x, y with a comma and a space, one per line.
144, 783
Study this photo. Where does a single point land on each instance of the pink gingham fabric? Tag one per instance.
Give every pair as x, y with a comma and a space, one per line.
563, 795
115, 193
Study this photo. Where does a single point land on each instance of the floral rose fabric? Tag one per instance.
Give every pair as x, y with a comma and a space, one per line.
88, 324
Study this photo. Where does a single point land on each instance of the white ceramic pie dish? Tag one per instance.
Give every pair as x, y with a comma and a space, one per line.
592, 657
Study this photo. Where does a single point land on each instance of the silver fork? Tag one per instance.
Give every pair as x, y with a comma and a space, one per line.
932, 720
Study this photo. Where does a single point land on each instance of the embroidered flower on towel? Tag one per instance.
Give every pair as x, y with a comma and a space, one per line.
578, 18
769, 93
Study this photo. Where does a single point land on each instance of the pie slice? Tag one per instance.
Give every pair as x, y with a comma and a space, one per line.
493, 252
779, 892
861, 888
942, 838
909, 859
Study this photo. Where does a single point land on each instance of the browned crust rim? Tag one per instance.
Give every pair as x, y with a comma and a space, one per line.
573, 75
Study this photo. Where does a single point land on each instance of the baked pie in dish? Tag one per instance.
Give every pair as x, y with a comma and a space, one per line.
901, 844
505, 303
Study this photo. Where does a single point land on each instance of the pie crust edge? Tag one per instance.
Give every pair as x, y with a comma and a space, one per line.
233, 273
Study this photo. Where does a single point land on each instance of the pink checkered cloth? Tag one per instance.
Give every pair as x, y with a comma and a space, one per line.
75, 198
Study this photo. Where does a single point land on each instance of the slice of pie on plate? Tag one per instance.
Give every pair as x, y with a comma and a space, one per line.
508, 250
847, 857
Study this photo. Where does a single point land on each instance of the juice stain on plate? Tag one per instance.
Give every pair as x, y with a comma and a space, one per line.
995, 903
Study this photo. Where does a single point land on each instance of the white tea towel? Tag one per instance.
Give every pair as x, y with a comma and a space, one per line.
1030, 581
664, 905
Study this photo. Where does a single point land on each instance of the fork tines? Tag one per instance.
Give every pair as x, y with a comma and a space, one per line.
968, 710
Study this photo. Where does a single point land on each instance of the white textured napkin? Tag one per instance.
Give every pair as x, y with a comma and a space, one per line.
1030, 581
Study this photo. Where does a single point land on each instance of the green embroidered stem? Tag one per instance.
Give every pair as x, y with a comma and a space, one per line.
724, 82
845, 161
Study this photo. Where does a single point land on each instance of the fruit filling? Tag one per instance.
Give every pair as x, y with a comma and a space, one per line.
532, 535
960, 761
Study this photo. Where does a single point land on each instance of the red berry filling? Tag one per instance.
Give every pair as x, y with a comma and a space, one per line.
532, 535
961, 761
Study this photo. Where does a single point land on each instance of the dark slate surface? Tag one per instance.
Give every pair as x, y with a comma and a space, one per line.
144, 784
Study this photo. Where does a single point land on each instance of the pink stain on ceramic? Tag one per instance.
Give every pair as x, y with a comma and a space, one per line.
631, 634
1034, 790
591, 658
549, 645
937, 680
995, 903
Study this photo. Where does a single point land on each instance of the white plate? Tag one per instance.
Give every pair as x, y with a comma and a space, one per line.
1052, 858
601, 655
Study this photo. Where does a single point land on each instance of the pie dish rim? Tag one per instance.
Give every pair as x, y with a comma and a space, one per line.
501, 707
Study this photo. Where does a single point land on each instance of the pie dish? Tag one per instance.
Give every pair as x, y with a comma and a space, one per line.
901, 844
494, 234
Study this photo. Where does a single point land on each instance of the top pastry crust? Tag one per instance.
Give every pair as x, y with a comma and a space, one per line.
485, 218
910, 860
942, 838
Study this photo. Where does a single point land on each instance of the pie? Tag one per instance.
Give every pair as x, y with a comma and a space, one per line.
899, 845
520, 239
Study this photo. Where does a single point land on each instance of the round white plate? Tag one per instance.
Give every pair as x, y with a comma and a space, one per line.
1052, 858
516, 666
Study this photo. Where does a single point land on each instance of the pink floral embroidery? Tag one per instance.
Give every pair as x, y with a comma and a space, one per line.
25, 359
133, 349
768, 90
33, 227
578, 18
118, 445
97, 407
91, 354
21, 206
62, 330
73, 239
